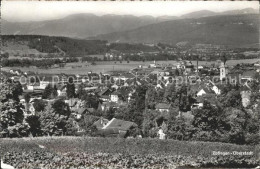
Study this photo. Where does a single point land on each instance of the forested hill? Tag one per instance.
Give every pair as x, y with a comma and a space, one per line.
234, 30
69, 46
47, 44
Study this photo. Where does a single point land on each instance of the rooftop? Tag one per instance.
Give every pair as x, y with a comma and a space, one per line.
163, 106
119, 124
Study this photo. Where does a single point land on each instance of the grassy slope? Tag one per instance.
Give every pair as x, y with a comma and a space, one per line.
116, 145
74, 152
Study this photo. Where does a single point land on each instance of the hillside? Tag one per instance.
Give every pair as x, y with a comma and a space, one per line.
235, 30
23, 45
206, 13
78, 25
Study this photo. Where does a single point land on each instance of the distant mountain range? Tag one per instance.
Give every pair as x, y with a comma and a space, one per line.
79, 25
206, 13
235, 30
196, 26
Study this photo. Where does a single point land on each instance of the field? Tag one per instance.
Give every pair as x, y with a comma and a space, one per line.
104, 66
16, 50
87, 152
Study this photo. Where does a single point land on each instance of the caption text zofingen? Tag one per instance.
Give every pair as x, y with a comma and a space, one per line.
224, 153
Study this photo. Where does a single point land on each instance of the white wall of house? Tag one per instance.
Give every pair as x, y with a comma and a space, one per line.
163, 110
30, 87
199, 105
43, 84
114, 98
216, 90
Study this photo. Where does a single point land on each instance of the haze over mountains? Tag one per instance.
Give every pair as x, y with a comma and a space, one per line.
236, 27
234, 30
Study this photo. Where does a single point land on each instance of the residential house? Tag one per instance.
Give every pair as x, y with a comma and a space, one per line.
159, 86
123, 76
189, 68
152, 65
118, 127
248, 75
115, 96
211, 98
204, 90
61, 90
72, 103
105, 94
257, 64
163, 107
107, 105
214, 87
115, 86
90, 88
102, 122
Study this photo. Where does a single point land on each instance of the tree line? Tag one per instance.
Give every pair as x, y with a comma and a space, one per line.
41, 63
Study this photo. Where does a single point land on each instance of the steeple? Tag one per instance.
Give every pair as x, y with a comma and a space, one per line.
222, 71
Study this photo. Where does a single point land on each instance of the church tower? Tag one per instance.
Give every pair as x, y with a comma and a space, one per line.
222, 71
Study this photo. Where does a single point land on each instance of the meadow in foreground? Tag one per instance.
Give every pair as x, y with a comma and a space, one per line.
87, 152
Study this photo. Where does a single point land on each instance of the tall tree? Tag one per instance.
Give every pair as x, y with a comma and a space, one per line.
47, 93
11, 114
235, 125
55, 118
207, 122
70, 90
27, 98
39, 105
224, 58
35, 125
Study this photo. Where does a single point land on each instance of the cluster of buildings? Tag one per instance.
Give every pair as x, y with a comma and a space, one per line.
115, 88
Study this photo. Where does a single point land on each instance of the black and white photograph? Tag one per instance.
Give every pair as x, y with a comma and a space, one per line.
129, 84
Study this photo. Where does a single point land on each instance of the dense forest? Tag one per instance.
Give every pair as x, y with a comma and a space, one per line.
127, 47
73, 47
43, 63
47, 44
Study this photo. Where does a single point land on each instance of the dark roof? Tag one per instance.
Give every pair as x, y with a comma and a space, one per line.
90, 110
106, 91
119, 124
61, 87
250, 73
115, 93
105, 97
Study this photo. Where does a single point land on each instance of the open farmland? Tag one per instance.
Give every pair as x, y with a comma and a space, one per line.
83, 152
20, 50
104, 66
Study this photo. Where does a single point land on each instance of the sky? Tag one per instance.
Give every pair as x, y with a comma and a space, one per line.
21, 11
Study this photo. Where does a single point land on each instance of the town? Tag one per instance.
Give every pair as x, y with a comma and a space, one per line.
151, 100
